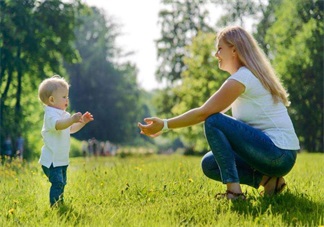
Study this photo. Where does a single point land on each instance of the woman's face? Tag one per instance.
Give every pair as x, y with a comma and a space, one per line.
226, 56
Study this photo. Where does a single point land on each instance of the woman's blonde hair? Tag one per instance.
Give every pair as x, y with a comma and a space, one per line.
49, 85
252, 57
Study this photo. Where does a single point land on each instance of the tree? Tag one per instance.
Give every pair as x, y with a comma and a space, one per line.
180, 20
267, 19
200, 80
98, 84
237, 11
33, 44
296, 44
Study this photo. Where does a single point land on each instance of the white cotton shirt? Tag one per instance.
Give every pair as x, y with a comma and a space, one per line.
256, 108
56, 142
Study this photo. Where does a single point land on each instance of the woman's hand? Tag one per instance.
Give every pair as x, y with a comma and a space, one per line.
152, 128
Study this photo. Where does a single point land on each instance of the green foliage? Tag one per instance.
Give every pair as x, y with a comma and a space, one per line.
76, 148
32, 47
180, 21
200, 80
99, 85
237, 11
266, 21
155, 191
298, 58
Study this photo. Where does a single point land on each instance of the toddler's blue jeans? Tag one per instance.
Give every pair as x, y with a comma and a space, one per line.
57, 177
241, 153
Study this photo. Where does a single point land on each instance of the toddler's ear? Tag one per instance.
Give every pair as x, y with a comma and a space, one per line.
51, 99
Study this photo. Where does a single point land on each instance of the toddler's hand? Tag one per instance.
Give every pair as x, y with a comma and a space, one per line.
86, 118
76, 117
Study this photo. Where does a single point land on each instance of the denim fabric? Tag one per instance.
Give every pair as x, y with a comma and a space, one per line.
241, 153
57, 177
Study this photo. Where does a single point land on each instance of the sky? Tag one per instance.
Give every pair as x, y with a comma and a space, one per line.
139, 30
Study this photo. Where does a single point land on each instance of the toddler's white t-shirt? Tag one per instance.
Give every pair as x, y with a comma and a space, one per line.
56, 142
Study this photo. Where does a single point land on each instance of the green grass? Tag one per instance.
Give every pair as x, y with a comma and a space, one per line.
155, 191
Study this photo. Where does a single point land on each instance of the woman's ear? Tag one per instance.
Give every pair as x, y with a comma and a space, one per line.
234, 51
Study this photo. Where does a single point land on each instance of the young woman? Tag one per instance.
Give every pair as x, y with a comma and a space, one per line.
258, 145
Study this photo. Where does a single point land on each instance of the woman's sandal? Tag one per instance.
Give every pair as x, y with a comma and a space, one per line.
278, 189
228, 192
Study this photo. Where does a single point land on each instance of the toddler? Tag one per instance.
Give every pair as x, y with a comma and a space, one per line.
57, 127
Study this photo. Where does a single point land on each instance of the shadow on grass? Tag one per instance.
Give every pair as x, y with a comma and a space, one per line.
295, 210
68, 214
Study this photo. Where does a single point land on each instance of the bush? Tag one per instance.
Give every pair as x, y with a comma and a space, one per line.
76, 148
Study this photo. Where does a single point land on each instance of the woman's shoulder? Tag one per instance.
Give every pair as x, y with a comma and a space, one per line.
244, 75
244, 71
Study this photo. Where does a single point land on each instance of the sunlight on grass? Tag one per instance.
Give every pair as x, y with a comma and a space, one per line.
155, 191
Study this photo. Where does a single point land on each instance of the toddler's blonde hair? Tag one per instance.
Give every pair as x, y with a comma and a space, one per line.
49, 85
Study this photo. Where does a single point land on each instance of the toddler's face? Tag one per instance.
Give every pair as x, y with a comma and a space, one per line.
59, 99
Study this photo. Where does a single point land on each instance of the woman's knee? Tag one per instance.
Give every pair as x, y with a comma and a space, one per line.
212, 120
211, 124
210, 167
208, 163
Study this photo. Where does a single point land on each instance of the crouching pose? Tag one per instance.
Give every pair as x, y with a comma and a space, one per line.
255, 146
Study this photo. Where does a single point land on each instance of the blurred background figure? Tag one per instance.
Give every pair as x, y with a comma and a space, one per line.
102, 148
84, 148
95, 147
90, 147
7, 147
20, 147
107, 148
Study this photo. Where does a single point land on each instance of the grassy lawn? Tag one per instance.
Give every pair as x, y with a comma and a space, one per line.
155, 191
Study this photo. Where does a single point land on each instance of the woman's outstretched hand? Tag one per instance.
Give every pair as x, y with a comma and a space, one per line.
152, 128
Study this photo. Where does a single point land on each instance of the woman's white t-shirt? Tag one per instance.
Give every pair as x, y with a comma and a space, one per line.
256, 108
56, 142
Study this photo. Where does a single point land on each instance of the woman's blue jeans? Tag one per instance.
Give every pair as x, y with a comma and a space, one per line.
241, 153
57, 177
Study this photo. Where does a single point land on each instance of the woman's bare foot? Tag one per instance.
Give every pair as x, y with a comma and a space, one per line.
273, 185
